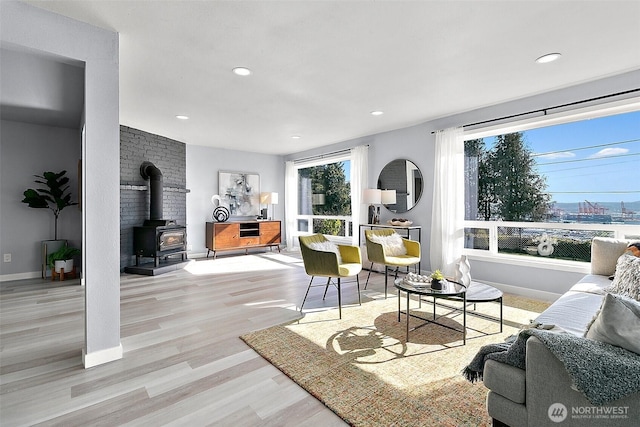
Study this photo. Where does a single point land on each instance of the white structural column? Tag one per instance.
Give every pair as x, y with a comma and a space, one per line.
36, 30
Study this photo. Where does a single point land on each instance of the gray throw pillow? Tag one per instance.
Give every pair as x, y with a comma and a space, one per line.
617, 323
627, 278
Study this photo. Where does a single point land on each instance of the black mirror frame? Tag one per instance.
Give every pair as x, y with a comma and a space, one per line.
400, 192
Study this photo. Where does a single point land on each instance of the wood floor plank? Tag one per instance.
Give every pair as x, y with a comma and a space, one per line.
183, 362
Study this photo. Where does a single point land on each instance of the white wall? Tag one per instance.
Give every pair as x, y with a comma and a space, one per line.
416, 143
27, 150
537, 281
29, 28
203, 165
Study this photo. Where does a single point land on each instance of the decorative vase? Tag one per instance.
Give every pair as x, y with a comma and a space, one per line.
437, 284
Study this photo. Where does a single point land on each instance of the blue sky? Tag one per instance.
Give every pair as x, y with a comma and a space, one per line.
596, 160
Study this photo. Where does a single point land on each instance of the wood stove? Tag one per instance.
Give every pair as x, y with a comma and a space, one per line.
159, 241
157, 237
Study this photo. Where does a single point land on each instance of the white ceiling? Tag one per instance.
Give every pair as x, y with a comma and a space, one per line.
320, 67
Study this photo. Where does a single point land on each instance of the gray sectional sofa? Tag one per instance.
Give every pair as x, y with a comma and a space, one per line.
543, 394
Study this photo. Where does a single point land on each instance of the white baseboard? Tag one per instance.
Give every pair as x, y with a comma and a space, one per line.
525, 292
101, 357
20, 276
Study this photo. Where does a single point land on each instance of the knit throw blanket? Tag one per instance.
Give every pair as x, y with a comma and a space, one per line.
602, 372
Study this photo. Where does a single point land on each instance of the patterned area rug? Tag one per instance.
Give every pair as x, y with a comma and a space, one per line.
362, 368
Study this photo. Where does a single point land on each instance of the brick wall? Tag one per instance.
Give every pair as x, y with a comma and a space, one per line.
166, 154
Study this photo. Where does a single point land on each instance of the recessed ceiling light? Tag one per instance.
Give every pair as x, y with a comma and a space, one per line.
242, 71
549, 57
377, 113
181, 117
295, 137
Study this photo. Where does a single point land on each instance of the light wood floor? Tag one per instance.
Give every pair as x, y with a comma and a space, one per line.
183, 362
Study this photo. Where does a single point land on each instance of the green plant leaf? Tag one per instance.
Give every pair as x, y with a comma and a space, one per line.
55, 194
62, 254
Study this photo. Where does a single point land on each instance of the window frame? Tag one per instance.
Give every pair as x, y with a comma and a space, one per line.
506, 126
337, 157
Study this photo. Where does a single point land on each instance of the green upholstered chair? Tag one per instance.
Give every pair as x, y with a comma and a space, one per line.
377, 254
323, 258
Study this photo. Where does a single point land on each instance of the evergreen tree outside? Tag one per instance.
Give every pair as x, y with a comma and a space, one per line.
329, 180
509, 188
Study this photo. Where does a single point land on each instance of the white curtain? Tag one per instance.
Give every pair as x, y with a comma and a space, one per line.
359, 177
447, 232
290, 203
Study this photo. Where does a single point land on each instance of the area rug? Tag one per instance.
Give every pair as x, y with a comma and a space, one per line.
364, 370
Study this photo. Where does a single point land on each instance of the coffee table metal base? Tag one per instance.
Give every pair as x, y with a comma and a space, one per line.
479, 293
427, 321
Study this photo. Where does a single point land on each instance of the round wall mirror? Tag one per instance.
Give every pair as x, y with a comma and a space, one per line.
403, 177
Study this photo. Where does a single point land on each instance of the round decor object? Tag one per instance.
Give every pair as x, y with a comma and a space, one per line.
216, 200
220, 214
545, 248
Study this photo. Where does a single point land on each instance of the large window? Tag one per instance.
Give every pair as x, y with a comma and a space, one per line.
548, 191
324, 199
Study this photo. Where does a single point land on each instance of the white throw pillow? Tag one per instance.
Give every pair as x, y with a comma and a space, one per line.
617, 323
627, 278
391, 244
604, 253
326, 247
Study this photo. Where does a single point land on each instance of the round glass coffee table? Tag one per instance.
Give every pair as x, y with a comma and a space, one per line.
424, 289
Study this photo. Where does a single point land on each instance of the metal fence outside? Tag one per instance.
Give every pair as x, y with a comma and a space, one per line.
565, 241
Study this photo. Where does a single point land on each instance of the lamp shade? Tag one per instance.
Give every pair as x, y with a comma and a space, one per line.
269, 198
388, 197
372, 196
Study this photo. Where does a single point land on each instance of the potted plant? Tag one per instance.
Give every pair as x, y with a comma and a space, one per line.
437, 279
54, 196
62, 258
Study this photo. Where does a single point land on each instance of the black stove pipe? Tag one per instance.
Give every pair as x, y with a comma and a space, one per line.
149, 171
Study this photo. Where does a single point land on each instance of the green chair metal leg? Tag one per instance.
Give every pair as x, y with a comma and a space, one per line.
368, 275
307, 293
339, 299
326, 288
386, 270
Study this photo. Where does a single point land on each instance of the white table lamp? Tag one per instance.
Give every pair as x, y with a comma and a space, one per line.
269, 198
388, 197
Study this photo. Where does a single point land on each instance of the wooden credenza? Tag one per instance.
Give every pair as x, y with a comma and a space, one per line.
234, 235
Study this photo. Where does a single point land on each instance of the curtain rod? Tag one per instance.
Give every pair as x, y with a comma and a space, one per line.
546, 110
322, 156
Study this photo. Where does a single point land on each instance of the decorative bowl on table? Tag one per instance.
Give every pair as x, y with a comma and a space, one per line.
400, 222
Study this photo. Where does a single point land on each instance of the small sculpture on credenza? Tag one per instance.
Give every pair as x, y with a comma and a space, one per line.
220, 212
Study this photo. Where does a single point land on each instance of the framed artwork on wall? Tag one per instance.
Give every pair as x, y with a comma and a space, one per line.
240, 191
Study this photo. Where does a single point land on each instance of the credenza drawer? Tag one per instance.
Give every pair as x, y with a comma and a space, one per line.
242, 234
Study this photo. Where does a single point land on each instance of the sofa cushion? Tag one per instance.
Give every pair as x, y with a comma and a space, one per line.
506, 380
627, 278
604, 254
617, 323
505, 411
573, 311
593, 284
